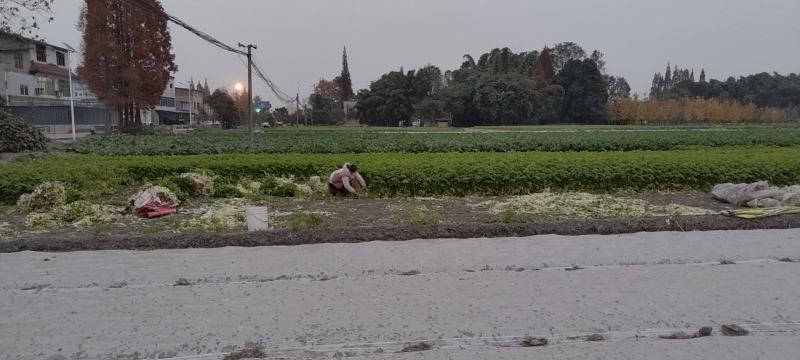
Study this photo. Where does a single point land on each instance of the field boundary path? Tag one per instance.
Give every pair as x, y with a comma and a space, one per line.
78, 241
443, 298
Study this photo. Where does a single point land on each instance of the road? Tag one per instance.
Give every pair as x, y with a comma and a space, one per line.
468, 299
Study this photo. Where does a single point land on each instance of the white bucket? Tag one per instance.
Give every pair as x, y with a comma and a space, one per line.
257, 219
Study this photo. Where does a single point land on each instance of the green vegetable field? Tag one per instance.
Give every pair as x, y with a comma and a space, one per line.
345, 141
393, 174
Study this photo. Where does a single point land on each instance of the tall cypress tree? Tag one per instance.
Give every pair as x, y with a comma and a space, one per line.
544, 73
127, 56
667, 79
346, 84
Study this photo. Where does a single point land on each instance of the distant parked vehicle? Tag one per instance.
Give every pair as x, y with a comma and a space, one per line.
181, 129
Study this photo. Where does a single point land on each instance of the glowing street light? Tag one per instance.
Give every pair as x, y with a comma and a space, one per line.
239, 87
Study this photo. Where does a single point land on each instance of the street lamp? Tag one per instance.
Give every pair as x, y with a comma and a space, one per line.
191, 99
71, 89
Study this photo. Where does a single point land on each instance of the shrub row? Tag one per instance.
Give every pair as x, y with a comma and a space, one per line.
432, 173
373, 141
17, 136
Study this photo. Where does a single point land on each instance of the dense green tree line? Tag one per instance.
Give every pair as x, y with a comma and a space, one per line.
558, 84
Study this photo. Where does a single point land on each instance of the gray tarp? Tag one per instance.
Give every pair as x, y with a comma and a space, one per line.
757, 195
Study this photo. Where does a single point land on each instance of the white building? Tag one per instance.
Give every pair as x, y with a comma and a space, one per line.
34, 72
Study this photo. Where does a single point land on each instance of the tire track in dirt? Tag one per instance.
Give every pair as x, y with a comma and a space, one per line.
565, 338
256, 279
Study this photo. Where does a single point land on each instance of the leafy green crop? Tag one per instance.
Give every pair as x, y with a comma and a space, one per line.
455, 174
340, 141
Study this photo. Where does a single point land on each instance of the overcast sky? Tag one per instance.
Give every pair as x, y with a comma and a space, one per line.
301, 41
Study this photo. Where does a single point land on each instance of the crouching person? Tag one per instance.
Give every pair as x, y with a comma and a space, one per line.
340, 182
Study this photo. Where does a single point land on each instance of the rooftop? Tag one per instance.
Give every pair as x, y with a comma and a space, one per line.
11, 36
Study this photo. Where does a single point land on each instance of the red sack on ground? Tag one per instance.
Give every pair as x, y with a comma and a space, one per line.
151, 211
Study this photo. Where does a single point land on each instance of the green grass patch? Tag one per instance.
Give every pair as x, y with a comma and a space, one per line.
432, 174
418, 214
510, 139
305, 220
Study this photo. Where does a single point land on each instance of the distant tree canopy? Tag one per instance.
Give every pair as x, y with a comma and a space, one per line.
558, 84
325, 110
585, 92
21, 17
224, 108
391, 99
763, 89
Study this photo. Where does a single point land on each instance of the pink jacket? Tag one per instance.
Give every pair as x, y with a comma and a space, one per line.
342, 177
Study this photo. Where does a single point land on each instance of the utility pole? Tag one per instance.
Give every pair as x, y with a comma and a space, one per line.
191, 100
70, 50
250, 48
297, 103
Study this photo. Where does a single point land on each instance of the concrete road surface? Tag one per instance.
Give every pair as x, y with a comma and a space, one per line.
465, 299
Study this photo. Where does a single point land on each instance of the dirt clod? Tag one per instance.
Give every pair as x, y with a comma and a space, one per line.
250, 353
418, 346
733, 330
705, 331
183, 282
786, 259
727, 262
574, 268
680, 335
410, 273
530, 341
118, 284
595, 337
36, 287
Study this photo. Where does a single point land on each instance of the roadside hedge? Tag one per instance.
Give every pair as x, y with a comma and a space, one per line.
456, 174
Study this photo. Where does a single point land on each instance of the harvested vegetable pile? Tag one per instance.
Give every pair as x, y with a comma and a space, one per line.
77, 214
5, 229
203, 184
166, 195
46, 196
295, 188
576, 205
248, 187
222, 215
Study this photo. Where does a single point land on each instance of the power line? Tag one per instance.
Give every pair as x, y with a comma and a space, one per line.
275, 90
280, 94
181, 23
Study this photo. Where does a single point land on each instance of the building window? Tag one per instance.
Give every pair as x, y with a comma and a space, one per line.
41, 53
45, 86
60, 59
23, 89
18, 60
167, 102
63, 87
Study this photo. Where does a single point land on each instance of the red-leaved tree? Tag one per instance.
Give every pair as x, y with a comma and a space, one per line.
127, 56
